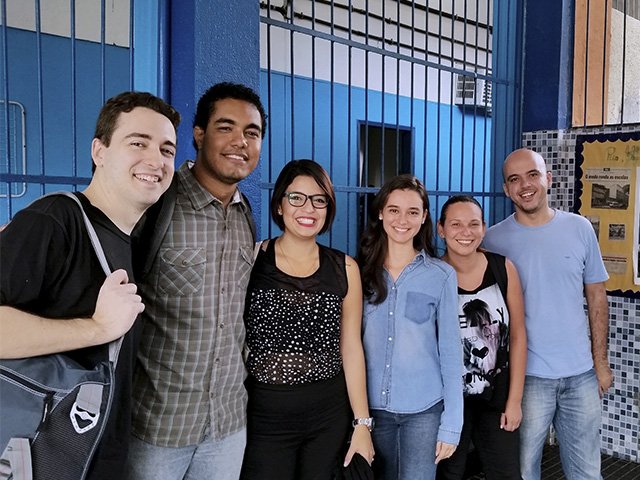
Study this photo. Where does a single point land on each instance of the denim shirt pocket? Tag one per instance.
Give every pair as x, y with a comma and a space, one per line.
419, 307
181, 270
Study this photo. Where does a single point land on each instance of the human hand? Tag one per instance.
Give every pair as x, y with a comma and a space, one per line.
511, 417
360, 443
444, 451
117, 306
604, 376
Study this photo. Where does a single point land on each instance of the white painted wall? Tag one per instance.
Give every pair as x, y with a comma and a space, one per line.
449, 41
55, 18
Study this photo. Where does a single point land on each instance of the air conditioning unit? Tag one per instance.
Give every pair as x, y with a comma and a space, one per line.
473, 92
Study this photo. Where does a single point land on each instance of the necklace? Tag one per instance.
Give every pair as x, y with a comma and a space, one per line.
295, 272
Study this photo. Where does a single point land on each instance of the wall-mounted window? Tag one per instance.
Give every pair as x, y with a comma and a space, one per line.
385, 151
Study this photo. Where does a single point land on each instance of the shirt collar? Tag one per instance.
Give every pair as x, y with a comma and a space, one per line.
198, 195
420, 258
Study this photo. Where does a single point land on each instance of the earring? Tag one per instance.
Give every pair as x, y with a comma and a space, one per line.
379, 217
279, 212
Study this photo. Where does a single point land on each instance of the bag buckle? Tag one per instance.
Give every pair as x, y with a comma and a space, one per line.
86, 408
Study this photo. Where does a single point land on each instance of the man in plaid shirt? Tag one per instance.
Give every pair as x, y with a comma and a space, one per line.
189, 400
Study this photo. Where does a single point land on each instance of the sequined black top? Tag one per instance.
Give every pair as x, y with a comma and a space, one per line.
293, 323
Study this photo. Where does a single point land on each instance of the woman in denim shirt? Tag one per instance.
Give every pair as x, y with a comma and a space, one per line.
410, 335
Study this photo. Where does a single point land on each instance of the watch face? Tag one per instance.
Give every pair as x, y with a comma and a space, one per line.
367, 422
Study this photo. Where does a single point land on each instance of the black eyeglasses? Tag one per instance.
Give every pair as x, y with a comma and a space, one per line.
297, 199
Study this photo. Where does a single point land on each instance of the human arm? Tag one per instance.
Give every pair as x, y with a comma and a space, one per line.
598, 311
451, 368
353, 362
512, 415
23, 334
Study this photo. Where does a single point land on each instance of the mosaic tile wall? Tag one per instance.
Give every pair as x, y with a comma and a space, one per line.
621, 406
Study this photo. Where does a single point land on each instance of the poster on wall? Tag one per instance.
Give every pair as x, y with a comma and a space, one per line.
607, 186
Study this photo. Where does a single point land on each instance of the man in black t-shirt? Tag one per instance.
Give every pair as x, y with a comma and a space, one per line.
54, 296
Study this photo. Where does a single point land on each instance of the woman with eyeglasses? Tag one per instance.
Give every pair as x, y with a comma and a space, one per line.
303, 311
492, 332
410, 335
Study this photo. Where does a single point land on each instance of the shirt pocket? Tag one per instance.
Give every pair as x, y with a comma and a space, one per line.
420, 307
245, 264
181, 270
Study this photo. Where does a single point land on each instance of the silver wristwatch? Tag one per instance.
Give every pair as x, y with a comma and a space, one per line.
367, 422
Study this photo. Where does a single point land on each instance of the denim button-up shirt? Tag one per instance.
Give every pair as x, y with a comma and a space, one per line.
412, 345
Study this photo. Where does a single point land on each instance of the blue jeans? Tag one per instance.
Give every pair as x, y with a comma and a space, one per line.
405, 444
572, 404
209, 460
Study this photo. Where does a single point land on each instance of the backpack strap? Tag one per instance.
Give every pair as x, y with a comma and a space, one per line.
114, 346
497, 264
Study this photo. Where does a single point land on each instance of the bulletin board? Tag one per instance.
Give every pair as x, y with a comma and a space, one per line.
607, 186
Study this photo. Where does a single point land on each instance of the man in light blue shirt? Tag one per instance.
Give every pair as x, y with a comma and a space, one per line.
559, 262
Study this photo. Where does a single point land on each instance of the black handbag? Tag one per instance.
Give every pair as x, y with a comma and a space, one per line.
358, 469
53, 410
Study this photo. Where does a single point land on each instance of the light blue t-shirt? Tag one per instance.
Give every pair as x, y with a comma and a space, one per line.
555, 261
412, 345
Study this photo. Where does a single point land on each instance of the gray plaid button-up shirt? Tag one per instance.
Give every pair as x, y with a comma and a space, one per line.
190, 373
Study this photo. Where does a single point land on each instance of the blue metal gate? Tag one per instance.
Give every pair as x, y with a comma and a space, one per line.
59, 61
371, 89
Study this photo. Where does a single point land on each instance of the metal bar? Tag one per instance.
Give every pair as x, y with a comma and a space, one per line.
164, 50
313, 82
463, 116
40, 87
131, 45
365, 160
269, 106
44, 179
439, 91
5, 94
487, 186
332, 114
442, 193
382, 94
412, 73
103, 52
72, 40
293, 70
453, 34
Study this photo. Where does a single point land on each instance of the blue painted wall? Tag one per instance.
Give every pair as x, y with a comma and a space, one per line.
60, 146
212, 41
450, 149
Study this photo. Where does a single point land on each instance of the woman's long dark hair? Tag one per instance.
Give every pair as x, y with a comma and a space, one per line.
373, 244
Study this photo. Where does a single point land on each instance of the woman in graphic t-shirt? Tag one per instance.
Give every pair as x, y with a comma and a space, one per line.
493, 336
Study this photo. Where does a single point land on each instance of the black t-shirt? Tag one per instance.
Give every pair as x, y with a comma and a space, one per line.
48, 267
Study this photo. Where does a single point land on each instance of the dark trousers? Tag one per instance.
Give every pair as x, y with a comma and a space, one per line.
499, 450
296, 432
